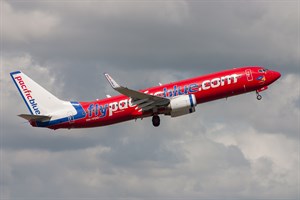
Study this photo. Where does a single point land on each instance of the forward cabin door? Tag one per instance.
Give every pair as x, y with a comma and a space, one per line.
249, 76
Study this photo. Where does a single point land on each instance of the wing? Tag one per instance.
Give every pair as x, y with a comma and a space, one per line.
142, 100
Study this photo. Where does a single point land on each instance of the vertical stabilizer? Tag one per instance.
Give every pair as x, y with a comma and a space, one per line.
38, 100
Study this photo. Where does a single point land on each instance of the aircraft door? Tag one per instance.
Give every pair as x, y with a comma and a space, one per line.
249, 76
70, 117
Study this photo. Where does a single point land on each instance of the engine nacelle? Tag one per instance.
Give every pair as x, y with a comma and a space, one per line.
182, 105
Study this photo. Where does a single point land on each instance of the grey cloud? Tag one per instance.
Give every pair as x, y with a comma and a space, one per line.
208, 167
127, 41
239, 148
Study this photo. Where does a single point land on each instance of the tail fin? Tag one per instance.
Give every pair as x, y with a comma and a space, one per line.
38, 100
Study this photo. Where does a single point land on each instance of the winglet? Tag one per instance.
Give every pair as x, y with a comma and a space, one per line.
136, 95
111, 81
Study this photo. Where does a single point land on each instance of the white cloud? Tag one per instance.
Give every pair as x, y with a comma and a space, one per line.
246, 169
25, 63
272, 170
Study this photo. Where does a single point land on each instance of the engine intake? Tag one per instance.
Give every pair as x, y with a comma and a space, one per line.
182, 105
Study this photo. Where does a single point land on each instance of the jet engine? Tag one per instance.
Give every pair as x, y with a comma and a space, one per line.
182, 105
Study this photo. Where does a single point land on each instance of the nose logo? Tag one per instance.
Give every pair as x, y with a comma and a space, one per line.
261, 78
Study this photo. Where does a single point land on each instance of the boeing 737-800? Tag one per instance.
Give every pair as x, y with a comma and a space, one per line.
173, 99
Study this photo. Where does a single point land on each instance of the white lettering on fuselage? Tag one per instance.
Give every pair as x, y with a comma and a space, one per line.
205, 85
95, 110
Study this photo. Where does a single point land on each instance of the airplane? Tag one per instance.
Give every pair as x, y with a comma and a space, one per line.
174, 99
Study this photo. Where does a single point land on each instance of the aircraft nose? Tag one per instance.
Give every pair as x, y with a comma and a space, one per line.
275, 75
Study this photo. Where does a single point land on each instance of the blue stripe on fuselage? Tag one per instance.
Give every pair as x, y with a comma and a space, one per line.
79, 115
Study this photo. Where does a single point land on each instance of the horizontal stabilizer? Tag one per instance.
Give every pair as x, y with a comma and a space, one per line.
35, 117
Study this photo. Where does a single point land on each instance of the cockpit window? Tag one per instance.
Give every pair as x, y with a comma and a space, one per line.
262, 70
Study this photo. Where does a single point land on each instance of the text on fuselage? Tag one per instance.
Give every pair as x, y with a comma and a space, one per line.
194, 87
96, 110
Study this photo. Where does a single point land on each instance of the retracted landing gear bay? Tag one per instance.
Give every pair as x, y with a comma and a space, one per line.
155, 120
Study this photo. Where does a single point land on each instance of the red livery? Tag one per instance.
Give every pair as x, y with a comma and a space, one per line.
173, 99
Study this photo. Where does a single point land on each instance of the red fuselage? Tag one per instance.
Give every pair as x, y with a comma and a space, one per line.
205, 88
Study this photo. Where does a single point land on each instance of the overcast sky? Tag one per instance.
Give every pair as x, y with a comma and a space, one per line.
235, 149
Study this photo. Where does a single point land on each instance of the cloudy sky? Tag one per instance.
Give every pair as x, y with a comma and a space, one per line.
234, 149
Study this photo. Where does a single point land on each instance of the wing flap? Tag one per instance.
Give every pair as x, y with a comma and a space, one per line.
145, 104
150, 107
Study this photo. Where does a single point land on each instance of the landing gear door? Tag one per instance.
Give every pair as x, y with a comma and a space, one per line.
249, 75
